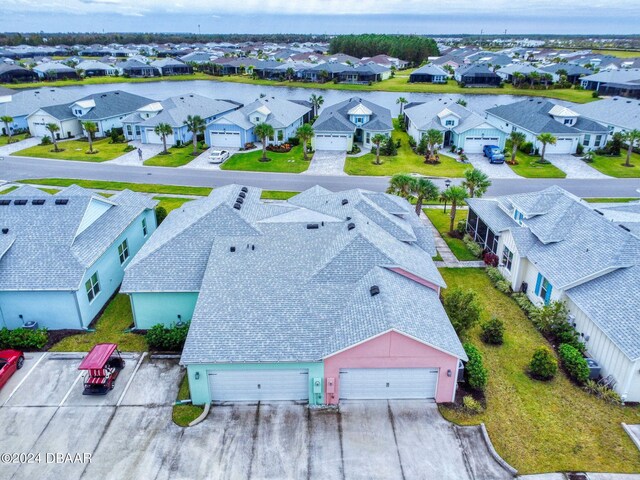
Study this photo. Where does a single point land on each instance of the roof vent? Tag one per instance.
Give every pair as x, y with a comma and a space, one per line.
244, 189
62, 201
242, 195
232, 249
240, 200
598, 212
344, 201
348, 218
624, 228
312, 226
351, 226
20, 202
375, 290
237, 206
38, 201
5, 202
5, 231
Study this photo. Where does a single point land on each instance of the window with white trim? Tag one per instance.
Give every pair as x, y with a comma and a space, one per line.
144, 227
507, 258
587, 139
123, 251
93, 287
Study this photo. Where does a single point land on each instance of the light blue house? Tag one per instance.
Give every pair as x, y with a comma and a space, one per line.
62, 256
174, 111
236, 129
460, 126
24, 102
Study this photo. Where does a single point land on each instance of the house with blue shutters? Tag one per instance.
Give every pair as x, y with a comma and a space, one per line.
555, 247
62, 256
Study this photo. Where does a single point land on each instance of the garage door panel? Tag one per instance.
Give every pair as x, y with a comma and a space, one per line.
225, 139
562, 146
388, 383
476, 144
331, 142
253, 385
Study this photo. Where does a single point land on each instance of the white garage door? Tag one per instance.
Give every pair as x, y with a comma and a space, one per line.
331, 142
225, 139
250, 385
562, 146
387, 383
154, 138
476, 144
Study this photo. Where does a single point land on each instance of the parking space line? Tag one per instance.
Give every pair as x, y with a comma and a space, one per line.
135, 370
71, 389
25, 378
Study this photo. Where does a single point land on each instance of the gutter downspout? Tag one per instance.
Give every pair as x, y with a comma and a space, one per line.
627, 386
75, 299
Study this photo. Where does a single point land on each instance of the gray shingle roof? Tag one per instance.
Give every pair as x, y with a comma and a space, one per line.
176, 109
25, 102
335, 118
624, 112
424, 115
282, 113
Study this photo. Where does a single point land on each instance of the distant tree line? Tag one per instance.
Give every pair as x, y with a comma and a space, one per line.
41, 38
412, 48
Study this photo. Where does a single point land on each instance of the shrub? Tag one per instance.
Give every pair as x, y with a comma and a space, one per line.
295, 141
474, 248
524, 303
580, 149
543, 365
471, 405
161, 214
602, 391
548, 317
167, 339
475, 373
494, 274
23, 339
503, 286
463, 309
492, 332
389, 148
412, 143
565, 333
46, 140
490, 259
129, 148
461, 227
526, 147
574, 363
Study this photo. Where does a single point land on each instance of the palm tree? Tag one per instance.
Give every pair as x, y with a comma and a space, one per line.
401, 101
264, 131
401, 184
434, 137
462, 102
424, 189
516, 139
53, 128
316, 103
377, 139
476, 181
90, 128
305, 134
290, 73
545, 138
163, 129
454, 194
7, 119
631, 138
196, 125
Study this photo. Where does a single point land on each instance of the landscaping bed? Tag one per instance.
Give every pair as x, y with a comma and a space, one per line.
289, 162
183, 415
76, 150
441, 222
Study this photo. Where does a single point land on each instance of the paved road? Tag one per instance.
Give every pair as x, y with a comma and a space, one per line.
16, 168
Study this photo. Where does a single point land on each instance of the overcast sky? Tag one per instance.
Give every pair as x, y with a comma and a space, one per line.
322, 16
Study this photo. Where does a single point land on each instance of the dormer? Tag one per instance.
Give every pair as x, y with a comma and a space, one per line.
259, 115
448, 119
359, 115
151, 110
82, 107
564, 115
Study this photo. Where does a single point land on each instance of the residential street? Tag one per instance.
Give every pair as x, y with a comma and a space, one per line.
16, 168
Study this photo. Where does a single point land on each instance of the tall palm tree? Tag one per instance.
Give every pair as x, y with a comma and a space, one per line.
476, 181
401, 101
631, 138
264, 131
163, 129
454, 194
424, 189
377, 139
7, 119
90, 128
517, 139
196, 125
53, 128
305, 134
316, 103
434, 137
545, 138
401, 184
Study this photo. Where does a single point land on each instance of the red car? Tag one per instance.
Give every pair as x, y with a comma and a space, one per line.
10, 361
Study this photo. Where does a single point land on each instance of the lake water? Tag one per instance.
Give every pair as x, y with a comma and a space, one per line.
247, 93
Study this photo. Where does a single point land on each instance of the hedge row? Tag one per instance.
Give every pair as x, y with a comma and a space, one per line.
23, 339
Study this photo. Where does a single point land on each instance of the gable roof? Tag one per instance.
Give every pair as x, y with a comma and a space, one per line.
623, 112
335, 118
176, 109
427, 115
280, 113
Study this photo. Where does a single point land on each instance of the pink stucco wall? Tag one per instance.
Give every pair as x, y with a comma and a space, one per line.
392, 350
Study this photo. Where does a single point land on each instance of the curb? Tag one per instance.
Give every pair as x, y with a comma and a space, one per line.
202, 416
634, 439
493, 452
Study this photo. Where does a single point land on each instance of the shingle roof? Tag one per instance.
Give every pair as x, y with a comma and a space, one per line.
624, 112
425, 115
176, 109
48, 253
430, 69
282, 113
335, 118
25, 102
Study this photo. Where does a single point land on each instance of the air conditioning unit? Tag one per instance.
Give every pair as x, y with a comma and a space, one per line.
571, 319
523, 287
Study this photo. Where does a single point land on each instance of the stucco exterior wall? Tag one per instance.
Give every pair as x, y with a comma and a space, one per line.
150, 309
54, 310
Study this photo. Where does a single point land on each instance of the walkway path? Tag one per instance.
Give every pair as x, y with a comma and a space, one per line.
132, 158
494, 170
327, 163
449, 260
21, 145
574, 167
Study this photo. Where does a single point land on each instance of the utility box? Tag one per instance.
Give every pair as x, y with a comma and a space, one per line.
317, 385
594, 368
30, 325
331, 385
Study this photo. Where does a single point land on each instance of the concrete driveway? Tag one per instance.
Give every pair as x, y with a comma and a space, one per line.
494, 170
574, 167
129, 434
325, 162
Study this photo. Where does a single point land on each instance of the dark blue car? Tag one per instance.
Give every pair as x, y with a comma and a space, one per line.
493, 153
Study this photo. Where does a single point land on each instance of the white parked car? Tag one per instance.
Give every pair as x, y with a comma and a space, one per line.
218, 156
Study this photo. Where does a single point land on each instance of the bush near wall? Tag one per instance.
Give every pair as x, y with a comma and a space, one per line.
543, 365
23, 339
475, 373
574, 363
171, 339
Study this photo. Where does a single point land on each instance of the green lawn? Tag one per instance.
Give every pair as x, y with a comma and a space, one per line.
107, 80
291, 162
529, 167
77, 150
110, 328
177, 157
540, 426
441, 221
610, 200
4, 139
614, 166
171, 203
107, 185
185, 414
277, 195
405, 162
7, 190
619, 53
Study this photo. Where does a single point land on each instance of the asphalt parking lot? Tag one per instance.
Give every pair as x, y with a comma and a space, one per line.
129, 433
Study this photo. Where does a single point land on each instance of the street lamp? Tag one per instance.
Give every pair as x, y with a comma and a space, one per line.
447, 183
